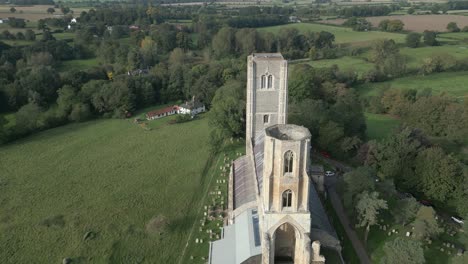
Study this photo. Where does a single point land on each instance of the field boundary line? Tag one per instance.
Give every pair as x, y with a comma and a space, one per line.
199, 210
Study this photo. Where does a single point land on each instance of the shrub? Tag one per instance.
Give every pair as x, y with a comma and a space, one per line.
413, 40
453, 27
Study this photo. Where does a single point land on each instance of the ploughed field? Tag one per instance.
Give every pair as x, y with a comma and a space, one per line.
105, 191
417, 23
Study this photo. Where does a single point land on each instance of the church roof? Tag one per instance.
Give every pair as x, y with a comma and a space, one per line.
240, 241
244, 185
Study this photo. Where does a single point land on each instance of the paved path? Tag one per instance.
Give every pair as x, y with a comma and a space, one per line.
357, 245
339, 209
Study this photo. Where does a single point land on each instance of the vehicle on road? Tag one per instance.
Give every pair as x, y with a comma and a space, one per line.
325, 154
457, 219
329, 173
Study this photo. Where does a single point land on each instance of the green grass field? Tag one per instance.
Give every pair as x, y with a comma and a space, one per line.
380, 126
346, 63
417, 56
453, 83
109, 177
342, 34
78, 64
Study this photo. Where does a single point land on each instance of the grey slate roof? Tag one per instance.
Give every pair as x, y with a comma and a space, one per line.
244, 185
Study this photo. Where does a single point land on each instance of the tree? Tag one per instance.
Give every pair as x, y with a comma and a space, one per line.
30, 35
227, 110
430, 38
246, 40
411, 10
391, 25
453, 27
413, 40
426, 224
437, 175
367, 208
405, 210
357, 181
382, 49
403, 251
223, 42
12, 10
358, 24
50, 10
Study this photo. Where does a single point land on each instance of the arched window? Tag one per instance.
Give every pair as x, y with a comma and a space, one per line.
263, 82
265, 119
287, 198
288, 161
270, 81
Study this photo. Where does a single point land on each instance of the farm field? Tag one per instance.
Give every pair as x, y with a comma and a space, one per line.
452, 83
346, 63
34, 12
415, 57
101, 191
417, 23
380, 126
342, 34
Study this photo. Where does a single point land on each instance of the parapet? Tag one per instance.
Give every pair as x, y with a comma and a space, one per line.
288, 132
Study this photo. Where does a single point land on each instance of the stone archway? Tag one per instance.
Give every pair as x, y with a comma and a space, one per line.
285, 244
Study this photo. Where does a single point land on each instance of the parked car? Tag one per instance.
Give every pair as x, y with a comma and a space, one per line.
329, 173
457, 219
325, 154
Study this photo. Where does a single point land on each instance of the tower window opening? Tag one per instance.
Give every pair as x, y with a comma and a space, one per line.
263, 82
287, 198
266, 119
288, 161
270, 81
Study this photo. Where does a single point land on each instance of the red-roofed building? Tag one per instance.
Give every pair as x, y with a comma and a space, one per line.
170, 110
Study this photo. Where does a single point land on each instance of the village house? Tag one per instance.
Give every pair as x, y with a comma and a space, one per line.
167, 111
192, 107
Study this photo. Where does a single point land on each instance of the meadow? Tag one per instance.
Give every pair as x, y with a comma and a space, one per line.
34, 12
342, 34
79, 64
452, 83
104, 191
380, 126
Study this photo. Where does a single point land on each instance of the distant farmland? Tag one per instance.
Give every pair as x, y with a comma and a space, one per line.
35, 12
417, 23
342, 34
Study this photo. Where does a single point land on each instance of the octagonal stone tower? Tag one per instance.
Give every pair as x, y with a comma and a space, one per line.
285, 196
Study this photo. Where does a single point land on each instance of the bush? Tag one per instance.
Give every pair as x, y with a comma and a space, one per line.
453, 27
430, 38
413, 40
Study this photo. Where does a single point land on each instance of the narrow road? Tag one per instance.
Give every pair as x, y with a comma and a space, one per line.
335, 200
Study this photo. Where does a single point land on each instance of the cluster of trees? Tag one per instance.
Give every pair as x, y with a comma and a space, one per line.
16, 22
368, 10
28, 35
289, 41
321, 101
358, 24
394, 25
367, 198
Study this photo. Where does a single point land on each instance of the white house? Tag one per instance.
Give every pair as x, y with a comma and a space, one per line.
192, 107
73, 20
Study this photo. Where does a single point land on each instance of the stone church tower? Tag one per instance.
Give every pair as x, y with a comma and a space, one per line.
267, 95
274, 210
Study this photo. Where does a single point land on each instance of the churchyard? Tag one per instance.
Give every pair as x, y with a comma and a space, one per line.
212, 214
104, 191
